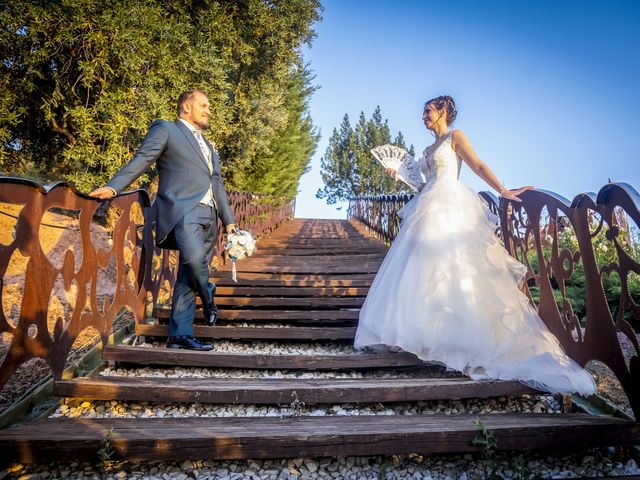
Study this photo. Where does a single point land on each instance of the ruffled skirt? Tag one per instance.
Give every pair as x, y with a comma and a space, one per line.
447, 291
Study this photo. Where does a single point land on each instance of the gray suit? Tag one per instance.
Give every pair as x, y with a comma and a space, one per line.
184, 176
182, 222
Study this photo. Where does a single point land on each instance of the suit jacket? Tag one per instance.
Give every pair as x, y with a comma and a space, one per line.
184, 176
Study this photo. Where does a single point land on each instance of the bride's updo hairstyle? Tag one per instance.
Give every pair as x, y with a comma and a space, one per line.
446, 102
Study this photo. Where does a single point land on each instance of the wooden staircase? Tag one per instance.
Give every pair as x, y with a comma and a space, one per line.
305, 283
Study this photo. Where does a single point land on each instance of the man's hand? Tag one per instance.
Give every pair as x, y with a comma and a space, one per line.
103, 193
231, 228
513, 194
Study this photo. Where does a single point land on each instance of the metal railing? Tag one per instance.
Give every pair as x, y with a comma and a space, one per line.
54, 273
378, 214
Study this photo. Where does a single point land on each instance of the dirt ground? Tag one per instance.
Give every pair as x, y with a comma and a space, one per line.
609, 386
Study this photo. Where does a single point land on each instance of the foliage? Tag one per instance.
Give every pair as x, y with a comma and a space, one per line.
605, 254
384, 468
348, 167
487, 440
520, 466
83, 79
106, 450
276, 168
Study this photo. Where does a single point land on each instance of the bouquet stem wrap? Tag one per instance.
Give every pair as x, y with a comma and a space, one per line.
234, 273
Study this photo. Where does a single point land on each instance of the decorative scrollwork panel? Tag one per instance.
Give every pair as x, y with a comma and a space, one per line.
63, 271
581, 272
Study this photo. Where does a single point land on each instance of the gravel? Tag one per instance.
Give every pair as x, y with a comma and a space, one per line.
276, 348
195, 372
594, 462
117, 409
590, 463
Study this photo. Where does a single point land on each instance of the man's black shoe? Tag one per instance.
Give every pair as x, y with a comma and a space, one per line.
188, 342
210, 314
203, 343
210, 310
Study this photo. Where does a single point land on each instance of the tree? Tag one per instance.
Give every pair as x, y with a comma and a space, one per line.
277, 168
83, 79
348, 167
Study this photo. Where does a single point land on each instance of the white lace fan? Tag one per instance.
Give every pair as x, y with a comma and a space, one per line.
399, 160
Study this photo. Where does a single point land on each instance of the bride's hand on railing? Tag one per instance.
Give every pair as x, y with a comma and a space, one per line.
515, 193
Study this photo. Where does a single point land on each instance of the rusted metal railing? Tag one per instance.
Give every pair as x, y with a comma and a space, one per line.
61, 277
378, 214
587, 242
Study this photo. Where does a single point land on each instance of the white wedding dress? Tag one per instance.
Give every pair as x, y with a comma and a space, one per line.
447, 291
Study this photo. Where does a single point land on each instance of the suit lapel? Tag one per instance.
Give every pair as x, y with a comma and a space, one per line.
191, 139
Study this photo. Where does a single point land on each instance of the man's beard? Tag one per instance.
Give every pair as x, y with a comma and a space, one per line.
203, 125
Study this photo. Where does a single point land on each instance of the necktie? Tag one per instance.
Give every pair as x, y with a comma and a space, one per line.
205, 149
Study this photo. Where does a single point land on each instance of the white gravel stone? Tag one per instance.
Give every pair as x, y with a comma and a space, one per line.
275, 348
113, 409
311, 466
186, 372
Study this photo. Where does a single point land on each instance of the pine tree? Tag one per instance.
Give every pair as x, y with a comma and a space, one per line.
349, 169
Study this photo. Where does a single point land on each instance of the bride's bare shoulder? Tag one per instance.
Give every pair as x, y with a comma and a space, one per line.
458, 137
458, 134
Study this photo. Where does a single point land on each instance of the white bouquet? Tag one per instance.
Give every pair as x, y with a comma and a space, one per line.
240, 244
399, 160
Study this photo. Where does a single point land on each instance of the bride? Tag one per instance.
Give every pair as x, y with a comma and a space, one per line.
447, 290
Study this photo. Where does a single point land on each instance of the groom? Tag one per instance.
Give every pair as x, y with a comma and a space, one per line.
190, 198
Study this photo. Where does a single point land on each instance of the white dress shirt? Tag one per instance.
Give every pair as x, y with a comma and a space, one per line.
207, 199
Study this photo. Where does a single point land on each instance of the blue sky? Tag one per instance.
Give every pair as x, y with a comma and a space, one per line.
547, 92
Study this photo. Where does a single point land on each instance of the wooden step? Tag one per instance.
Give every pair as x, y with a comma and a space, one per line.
259, 279
142, 439
168, 356
330, 247
283, 258
325, 242
255, 333
288, 302
322, 317
307, 267
286, 291
283, 391
311, 250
